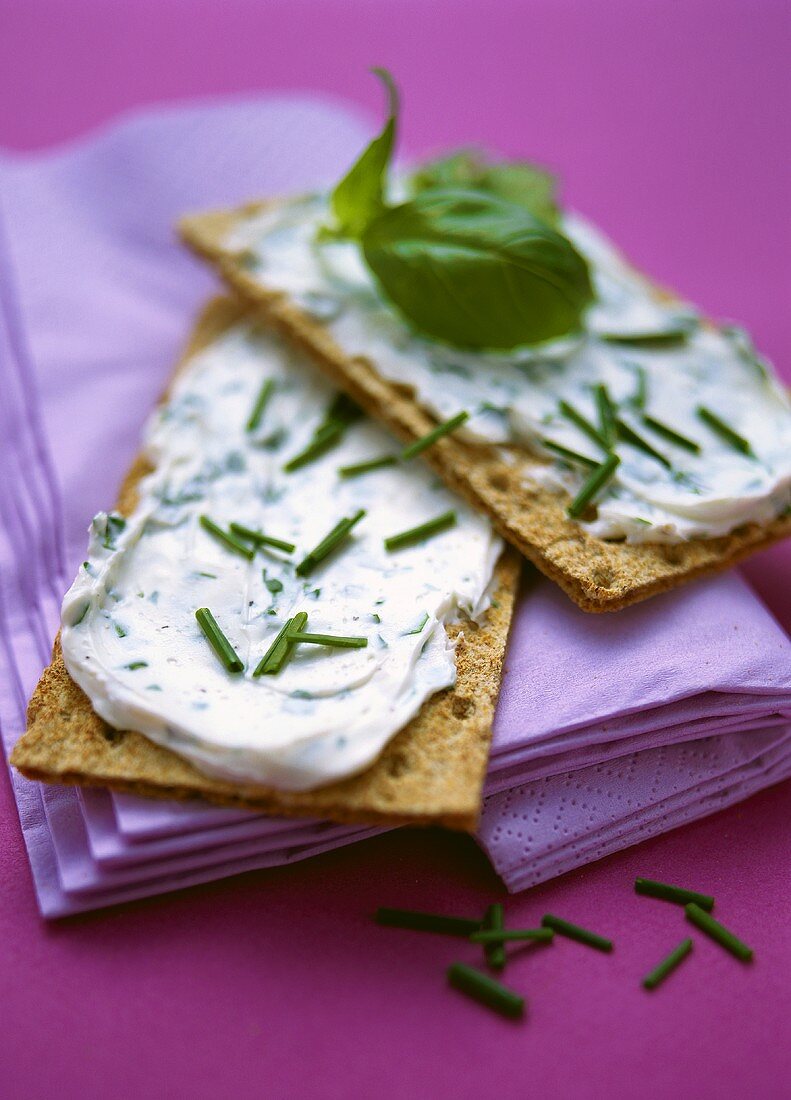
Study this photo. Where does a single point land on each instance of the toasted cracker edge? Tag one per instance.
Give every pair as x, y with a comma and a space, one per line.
430, 773
597, 575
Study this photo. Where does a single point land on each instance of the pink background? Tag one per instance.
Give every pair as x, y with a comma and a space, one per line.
669, 123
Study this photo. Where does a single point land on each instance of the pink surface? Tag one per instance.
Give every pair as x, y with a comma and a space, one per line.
668, 122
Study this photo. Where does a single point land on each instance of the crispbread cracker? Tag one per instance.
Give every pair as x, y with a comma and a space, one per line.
597, 575
431, 772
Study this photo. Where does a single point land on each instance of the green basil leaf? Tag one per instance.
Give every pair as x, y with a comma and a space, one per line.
474, 270
359, 196
517, 181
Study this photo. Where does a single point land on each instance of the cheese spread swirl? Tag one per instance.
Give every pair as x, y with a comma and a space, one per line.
129, 634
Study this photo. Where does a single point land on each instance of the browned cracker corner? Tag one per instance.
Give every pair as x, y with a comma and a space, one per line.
432, 772
597, 575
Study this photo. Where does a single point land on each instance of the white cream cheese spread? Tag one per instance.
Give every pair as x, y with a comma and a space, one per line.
514, 398
130, 637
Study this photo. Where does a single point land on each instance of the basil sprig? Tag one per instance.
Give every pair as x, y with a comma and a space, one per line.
359, 197
518, 181
468, 264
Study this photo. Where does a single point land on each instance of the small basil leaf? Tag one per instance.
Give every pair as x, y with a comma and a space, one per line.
476, 271
359, 196
518, 181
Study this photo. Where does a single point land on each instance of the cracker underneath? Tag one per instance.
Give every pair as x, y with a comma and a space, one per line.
431, 773
597, 575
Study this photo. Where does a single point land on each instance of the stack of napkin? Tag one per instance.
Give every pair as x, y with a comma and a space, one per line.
609, 728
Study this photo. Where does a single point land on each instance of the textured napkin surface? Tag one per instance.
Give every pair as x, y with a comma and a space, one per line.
97, 298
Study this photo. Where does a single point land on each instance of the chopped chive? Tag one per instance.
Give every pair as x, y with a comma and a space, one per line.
336, 641
226, 538
596, 481
343, 410
725, 431
640, 395
281, 648
119, 630
606, 409
341, 413
671, 434
418, 627
494, 921
583, 424
486, 990
325, 438
706, 923
330, 542
134, 665
261, 539
571, 456
264, 394
426, 922
359, 468
81, 615
677, 335
574, 932
506, 935
430, 438
627, 433
217, 640
424, 531
667, 965
652, 889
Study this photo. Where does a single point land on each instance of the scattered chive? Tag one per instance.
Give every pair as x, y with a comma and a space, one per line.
629, 435
260, 404
706, 923
676, 335
640, 395
81, 615
325, 437
494, 921
134, 665
337, 641
606, 409
574, 932
667, 965
341, 413
652, 889
359, 468
486, 990
226, 538
330, 542
430, 438
119, 630
671, 434
423, 531
725, 431
596, 481
571, 456
506, 935
261, 539
217, 640
418, 627
426, 922
583, 424
281, 648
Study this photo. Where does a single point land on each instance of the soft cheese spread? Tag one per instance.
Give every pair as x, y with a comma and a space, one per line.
656, 358
130, 637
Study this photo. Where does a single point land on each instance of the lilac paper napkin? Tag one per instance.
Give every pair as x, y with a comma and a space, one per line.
96, 300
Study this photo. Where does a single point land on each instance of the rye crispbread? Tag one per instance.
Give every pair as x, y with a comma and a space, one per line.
598, 575
431, 772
